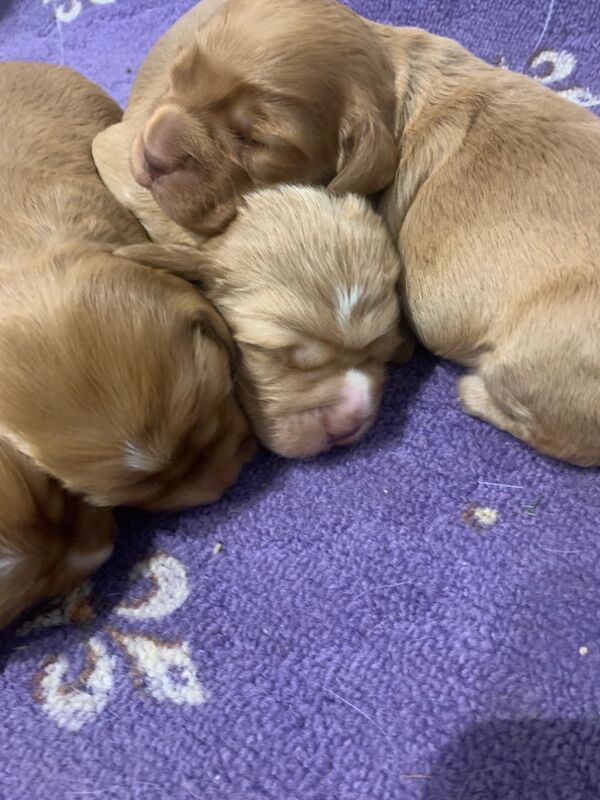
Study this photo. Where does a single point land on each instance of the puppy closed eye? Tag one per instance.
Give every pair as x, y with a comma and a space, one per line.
311, 356
247, 139
244, 118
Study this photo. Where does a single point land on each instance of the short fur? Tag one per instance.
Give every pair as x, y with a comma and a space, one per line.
496, 208
227, 102
49, 540
306, 281
115, 380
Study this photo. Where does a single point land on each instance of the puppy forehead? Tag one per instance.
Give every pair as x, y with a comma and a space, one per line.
349, 316
309, 244
347, 297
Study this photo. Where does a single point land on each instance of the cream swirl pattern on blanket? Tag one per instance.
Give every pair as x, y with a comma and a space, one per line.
163, 668
69, 10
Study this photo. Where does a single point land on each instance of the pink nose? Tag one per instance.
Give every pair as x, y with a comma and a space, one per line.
155, 166
347, 417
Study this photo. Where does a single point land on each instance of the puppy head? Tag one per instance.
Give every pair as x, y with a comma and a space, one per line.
307, 283
50, 541
265, 96
117, 381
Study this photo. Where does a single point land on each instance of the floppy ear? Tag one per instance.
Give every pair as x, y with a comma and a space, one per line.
189, 263
192, 265
368, 154
211, 323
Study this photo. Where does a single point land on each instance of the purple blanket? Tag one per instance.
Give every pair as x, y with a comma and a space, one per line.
417, 618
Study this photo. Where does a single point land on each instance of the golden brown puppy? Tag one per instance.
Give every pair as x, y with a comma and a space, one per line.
495, 205
307, 282
49, 540
115, 379
248, 94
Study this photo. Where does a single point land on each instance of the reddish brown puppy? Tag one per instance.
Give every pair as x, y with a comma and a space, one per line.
49, 540
116, 379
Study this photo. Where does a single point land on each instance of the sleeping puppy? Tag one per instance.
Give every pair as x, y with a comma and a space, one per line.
245, 94
506, 281
493, 203
116, 380
49, 540
307, 283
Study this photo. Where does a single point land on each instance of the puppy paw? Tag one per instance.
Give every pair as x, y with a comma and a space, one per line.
477, 401
474, 396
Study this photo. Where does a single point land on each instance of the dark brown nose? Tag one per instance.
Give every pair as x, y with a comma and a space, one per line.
155, 166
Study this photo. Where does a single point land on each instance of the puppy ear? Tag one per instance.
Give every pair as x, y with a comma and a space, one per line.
189, 263
192, 265
368, 154
210, 323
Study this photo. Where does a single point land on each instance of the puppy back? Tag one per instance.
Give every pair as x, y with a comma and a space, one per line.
48, 181
50, 115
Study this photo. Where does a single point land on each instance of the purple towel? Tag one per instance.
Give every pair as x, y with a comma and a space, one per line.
415, 618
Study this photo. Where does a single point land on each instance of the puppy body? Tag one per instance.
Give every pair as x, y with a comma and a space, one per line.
116, 379
495, 204
49, 540
307, 282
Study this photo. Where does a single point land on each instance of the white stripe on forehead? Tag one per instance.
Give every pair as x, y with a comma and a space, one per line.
346, 298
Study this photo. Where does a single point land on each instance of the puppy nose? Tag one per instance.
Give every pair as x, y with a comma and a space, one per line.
155, 166
353, 410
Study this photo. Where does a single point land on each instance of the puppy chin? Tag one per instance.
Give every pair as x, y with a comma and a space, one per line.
176, 194
344, 421
300, 435
304, 435
180, 195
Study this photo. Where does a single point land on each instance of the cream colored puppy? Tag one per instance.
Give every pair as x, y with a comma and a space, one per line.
495, 208
307, 283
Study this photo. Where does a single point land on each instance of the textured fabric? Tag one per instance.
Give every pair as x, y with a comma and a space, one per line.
383, 623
